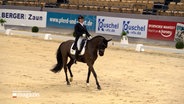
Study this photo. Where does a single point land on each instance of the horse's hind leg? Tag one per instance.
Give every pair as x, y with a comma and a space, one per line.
65, 69
69, 68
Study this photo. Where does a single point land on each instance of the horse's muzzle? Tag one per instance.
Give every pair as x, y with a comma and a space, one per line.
101, 52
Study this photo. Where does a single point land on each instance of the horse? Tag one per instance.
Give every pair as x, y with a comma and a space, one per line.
94, 46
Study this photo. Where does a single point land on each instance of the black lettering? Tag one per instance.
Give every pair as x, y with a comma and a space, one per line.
6, 15
3, 15
33, 18
18, 16
9, 15
30, 15
37, 18
22, 16
12, 15
41, 18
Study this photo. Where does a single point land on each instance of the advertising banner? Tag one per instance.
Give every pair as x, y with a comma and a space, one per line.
24, 17
115, 26
63, 20
108, 25
179, 35
161, 30
135, 27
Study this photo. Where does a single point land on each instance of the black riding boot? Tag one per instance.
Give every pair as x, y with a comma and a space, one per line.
76, 56
76, 52
75, 48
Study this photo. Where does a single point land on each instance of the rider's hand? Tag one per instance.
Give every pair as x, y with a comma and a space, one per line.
90, 37
83, 35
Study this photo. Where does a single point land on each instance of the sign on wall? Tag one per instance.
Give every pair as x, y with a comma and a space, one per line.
161, 30
135, 27
108, 25
115, 26
24, 17
63, 20
179, 35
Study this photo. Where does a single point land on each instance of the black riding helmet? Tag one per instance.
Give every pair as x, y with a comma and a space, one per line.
80, 17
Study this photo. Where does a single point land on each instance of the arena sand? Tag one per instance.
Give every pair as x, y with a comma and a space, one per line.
126, 76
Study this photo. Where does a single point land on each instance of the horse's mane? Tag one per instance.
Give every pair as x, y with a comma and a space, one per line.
98, 36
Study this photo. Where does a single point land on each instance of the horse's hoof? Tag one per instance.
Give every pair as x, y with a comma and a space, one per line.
99, 88
71, 79
87, 84
68, 83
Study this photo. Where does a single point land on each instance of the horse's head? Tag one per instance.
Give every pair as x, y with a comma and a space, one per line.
102, 46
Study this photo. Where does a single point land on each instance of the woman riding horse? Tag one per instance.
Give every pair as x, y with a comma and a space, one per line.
80, 31
94, 46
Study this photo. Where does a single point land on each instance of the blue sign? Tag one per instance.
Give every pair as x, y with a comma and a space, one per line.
63, 20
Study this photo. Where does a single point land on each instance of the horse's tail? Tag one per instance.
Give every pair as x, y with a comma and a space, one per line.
59, 64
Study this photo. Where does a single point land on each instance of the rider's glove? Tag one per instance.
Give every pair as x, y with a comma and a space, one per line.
83, 35
90, 37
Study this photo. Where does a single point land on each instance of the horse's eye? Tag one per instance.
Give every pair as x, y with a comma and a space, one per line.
104, 46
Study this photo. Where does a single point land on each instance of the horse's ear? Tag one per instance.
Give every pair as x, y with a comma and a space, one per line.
109, 40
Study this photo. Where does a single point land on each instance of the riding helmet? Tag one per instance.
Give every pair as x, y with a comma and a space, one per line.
80, 17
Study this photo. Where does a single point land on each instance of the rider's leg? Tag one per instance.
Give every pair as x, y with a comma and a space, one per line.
75, 48
75, 43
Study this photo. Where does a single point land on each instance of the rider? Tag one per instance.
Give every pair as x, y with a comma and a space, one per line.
80, 30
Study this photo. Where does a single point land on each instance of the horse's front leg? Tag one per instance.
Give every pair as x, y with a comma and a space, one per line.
89, 73
95, 75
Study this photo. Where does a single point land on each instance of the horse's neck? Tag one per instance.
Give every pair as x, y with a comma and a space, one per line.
93, 47
95, 42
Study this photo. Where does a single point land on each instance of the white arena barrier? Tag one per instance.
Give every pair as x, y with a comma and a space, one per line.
138, 47
8, 32
47, 37
124, 40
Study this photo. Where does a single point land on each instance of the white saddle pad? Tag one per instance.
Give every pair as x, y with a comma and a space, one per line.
82, 51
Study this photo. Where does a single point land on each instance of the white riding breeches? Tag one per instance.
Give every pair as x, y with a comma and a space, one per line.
79, 42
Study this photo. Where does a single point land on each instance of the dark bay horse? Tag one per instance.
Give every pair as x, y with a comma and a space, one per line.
95, 46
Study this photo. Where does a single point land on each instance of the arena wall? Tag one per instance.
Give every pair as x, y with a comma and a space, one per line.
135, 27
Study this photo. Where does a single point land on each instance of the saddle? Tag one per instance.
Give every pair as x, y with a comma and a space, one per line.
81, 44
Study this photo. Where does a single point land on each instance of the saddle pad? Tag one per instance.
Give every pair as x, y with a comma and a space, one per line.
74, 51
